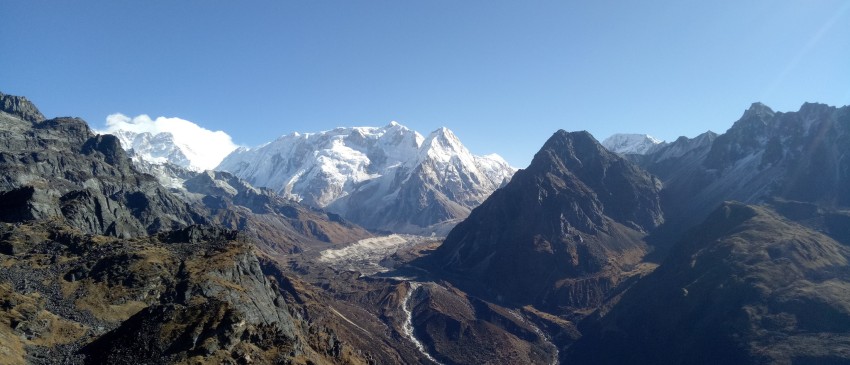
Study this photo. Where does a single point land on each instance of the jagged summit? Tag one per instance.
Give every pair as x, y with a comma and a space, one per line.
758, 109
617, 184
316, 168
343, 168
564, 142
389, 178
794, 155
442, 145
20, 106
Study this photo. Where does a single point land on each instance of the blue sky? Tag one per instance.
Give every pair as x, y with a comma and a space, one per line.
502, 75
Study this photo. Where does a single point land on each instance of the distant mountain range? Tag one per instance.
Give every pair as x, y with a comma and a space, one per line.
389, 178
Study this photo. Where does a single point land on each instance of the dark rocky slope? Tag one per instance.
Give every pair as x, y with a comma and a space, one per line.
452, 326
102, 264
745, 287
197, 294
562, 234
59, 168
457, 328
800, 156
278, 225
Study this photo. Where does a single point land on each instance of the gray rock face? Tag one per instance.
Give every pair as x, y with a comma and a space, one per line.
194, 293
21, 107
561, 233
58, 169
252, 295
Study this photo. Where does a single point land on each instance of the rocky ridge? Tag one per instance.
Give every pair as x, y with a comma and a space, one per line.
20, 106
799, 156
59, 168
196, 294
104, 264
562, 234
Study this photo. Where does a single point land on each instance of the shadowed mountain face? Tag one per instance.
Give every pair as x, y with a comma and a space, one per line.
562, 233
809, 148
747, 286
801, 156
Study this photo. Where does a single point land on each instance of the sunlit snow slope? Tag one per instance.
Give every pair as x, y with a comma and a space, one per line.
387, 178
640, 144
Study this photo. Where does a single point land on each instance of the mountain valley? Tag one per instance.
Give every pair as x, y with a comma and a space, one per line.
381, 246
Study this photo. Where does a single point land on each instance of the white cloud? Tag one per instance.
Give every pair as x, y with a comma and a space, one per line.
203, 147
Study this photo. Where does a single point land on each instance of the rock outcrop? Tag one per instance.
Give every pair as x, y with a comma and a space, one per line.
195, 294
59, 168
21, 107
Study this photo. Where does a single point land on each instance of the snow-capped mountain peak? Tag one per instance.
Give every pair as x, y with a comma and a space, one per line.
173, 140
381, 177
157, 148
442, 145
625, 143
